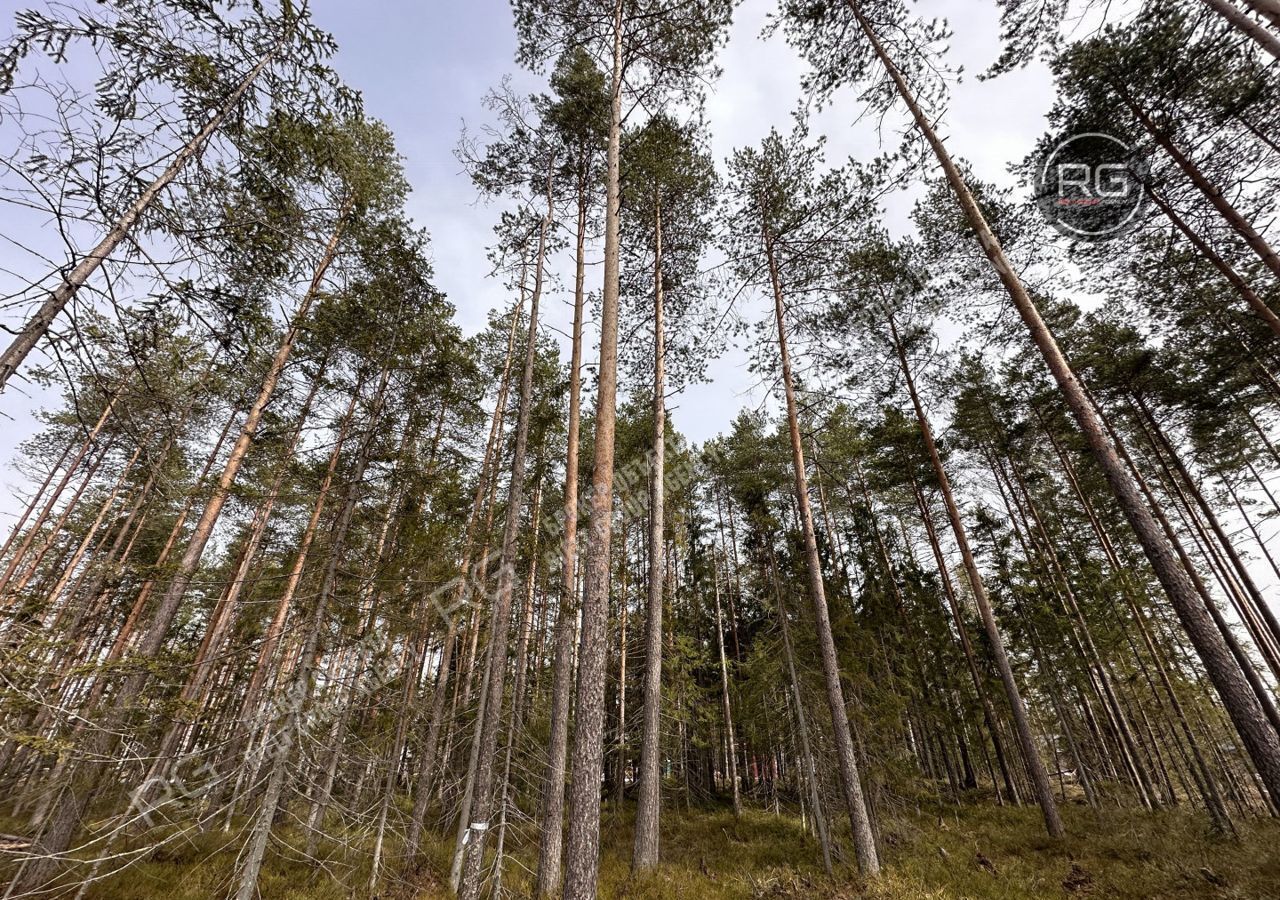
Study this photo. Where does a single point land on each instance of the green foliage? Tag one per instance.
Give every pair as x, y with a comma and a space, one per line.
668, 184
968, 851
378, 474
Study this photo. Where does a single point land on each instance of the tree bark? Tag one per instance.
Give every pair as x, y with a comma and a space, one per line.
582, 865
15, 589
1247, 293
477, 577
181, 579
500, 620
618, 788
551, 837
224, 612
38, 495
89, 441
518, 692
1241, 570
731, 755
1264, 37
294, 702
810, 769
649, 800
60, 296
1021, 722
984, 699
1083, 649
860, 822
69, 569
1257, 243
1245, 665
1262, 742
275, 628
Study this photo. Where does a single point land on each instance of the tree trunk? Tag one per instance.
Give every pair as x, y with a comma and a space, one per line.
411, 670
620, 743
1247, 293
1211, 192
32, 567
89, 441
1267, 9
500, 619
1021, 722
181, 579
732, 750
472, 578
649, 800
518, 692
1241, 570
125, 634
583, 849
863, 838
69, 569
38, 495
271, 640
430, 750
1245, 665
1213, 799
294, 702
1262, 742
810, 769
551, 838
1253, 528
462, 589
984, 699
1264, 37
223, 616
60, 296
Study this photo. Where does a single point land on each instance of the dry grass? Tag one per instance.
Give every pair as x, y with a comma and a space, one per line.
976, 851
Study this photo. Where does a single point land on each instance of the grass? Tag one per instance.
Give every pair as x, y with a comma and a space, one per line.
1120, 854
978, 851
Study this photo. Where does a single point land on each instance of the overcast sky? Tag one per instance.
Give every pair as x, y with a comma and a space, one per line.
423, 68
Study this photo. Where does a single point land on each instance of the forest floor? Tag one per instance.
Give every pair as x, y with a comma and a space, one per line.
969, 851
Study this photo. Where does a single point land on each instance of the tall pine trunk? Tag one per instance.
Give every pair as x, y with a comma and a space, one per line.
1211, 192
582, 863
984, 699
806, 748
60, 296
1242, 287
731, 750
551, 837
1263, 610
1261, 741
298, 693
863, 838
89, 442
267, 650
649, 799
500, 619
223, 616
1264, 37
518, 700
430, 758
58, 831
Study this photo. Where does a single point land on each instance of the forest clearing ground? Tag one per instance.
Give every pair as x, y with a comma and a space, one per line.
975, 850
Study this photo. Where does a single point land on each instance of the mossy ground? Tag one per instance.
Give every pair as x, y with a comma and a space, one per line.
939, 852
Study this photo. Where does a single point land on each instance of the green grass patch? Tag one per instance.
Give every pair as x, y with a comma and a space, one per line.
978, 851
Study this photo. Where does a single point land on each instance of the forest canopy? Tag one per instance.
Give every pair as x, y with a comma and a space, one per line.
309, 587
